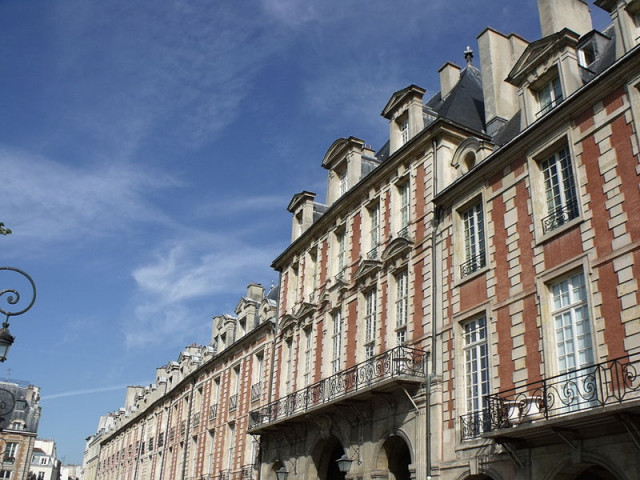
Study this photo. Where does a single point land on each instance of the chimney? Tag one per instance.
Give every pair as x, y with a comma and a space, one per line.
498, 55
558, 14
449, 77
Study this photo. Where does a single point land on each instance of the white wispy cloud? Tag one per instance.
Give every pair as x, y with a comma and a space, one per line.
49, 201
179, 285
85, 391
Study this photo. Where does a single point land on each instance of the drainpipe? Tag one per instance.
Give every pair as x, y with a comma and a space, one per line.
187, 428
434, 290
165, 434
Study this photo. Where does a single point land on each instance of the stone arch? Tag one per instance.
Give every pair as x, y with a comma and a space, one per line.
592, 467
394, 455
324, 456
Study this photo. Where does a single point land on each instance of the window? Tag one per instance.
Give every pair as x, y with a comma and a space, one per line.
560, 190
402, 307
40, 475
232, 441
289, 365
5, 474
10, 452
571, 324
44, 461
474, 252
307, 356
374, 231
344, 186
342, 254
403, 196
371, 299
476, 370
549, 96
336, 340
211, 450
404, 131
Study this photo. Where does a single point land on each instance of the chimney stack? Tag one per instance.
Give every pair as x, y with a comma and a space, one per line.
558, 14
449, 76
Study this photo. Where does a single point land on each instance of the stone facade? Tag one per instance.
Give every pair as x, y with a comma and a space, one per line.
192, 421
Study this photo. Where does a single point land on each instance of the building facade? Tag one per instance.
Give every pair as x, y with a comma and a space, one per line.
44, 461
192, 421
19, 419
464, 305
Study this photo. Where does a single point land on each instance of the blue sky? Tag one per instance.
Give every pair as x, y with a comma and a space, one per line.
149, 149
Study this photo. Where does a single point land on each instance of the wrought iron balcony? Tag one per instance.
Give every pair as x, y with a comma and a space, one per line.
474, 264
233, 402
587, 390
196, 419
373, 254
213, 411
255, 391
404, 233
401, 363
247, 472
560, 216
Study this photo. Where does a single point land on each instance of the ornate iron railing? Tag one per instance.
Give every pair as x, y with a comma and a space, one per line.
373, 253
560, 216
213, 411
474, 264
404, 233
233, 402
224, 474
397, 362
247, 472
255, 391
196, 419
550, 106
611, 382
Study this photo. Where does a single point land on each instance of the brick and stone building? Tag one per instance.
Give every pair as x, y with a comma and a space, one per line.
192, 421
19, 418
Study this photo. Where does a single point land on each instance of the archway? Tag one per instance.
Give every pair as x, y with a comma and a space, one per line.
596, 473
398, 457
325, 459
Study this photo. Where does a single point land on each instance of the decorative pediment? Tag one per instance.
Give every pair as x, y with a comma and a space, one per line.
540, 52
398, 247
399, 97
367, 268
339, 150
287, 322
305, 309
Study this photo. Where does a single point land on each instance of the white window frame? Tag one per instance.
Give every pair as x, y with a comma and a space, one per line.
402, 306
308, 343
477, 369
560, 189
370, 321
549, 96
374, 230
473, 231
336, 342
404, 204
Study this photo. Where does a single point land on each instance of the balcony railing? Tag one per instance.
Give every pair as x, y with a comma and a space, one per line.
247, 472
233, 402
404, 233
224, 474
560, 216
373, 254
196, 419
213, 411
608, 383
255, 392
398, 362
474, 264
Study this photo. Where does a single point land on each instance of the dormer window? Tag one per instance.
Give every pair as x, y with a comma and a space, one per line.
549, 96
344, 184
404, 130
587, 55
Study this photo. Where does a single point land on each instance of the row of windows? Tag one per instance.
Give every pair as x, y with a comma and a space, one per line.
569, 327
560, 203
372, 235
370, 335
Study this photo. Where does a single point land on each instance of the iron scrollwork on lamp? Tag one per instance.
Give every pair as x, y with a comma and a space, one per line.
12, 298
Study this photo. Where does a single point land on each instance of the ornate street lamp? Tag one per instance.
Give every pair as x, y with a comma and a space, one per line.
12, 297
344, 463
282, 473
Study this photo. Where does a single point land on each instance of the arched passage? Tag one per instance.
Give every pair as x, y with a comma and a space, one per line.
596, 473
586, 471
395, 457
325, 459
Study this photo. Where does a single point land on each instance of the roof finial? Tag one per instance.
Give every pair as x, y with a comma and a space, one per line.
468, 55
